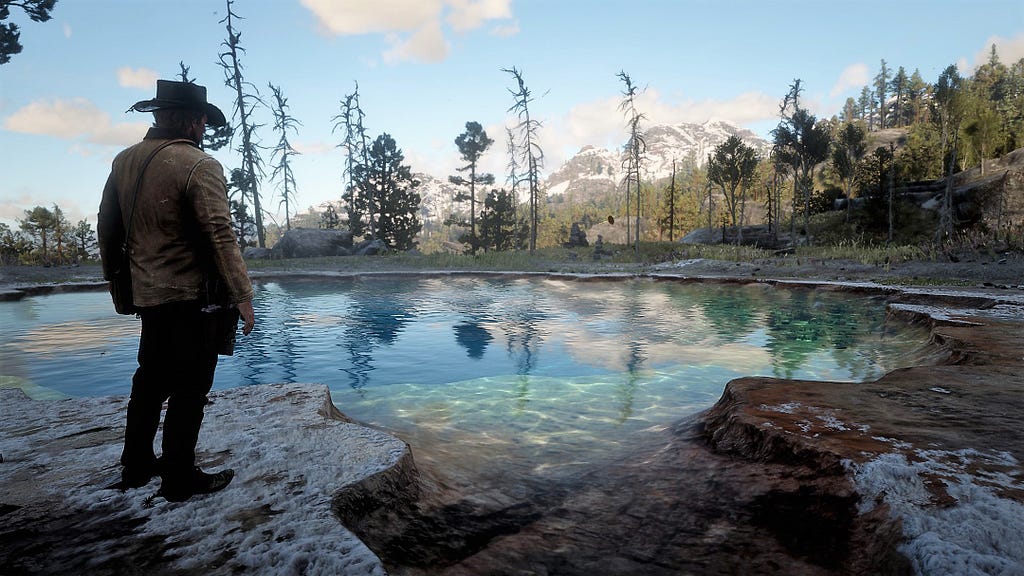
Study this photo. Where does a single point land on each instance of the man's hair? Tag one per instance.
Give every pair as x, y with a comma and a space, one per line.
178, 120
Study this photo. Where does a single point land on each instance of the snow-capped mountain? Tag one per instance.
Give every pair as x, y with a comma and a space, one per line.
596, 171
692, 142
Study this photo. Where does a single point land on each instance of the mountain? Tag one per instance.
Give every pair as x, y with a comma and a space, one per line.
595, 172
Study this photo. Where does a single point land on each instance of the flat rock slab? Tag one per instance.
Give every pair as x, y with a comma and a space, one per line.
292, 452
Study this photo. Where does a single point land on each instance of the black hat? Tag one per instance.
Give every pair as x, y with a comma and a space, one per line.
172, 94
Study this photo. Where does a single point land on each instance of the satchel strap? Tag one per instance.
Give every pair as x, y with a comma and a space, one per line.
138, 184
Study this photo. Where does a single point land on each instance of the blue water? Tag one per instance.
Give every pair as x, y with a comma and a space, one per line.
530, 359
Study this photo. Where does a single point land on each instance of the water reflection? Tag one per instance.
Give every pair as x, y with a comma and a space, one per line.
374, 332
472, 336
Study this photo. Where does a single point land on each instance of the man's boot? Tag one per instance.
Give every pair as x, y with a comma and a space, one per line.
178, 487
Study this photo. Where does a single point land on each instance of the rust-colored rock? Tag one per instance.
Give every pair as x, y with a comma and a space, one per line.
772, 480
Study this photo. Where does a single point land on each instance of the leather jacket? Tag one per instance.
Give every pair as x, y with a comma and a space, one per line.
181, 236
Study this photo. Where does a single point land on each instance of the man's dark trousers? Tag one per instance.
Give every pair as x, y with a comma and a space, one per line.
176, 364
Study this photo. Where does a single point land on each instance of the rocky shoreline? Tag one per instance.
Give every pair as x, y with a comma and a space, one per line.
897, 476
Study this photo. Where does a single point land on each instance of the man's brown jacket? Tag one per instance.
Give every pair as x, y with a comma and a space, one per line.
181, 231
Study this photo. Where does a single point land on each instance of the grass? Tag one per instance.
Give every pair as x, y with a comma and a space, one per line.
866, 253
549, 259
885, 259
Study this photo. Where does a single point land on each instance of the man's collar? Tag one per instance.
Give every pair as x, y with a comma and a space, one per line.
158, 133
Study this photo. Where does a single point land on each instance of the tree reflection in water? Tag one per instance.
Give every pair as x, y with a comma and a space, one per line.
545, 361
557, 328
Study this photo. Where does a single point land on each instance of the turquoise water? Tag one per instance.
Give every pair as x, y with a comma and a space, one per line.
502, 362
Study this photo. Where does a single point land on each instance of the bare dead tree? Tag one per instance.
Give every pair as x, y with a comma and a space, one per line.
245, 103
528, 146
356, 144
635, 148
216, 137
283, 152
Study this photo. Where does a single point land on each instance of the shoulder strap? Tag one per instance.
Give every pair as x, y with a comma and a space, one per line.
138, 184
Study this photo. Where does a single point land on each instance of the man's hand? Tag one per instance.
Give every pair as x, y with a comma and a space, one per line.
245, 310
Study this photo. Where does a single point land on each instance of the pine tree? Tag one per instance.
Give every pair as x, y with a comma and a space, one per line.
85, 240
801, 142
500, 229
329, 218
917, 93
13, 245
949, 104
850, 111
10, 35
731, 167
472, 144
881, 92
671, 202
867, 107
38, 226
242, 220
390, 189
61, 232
899, 86
850, 148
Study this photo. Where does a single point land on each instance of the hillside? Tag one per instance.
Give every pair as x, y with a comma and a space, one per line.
594, 172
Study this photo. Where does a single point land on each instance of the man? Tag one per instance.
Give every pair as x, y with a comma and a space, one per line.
180, 242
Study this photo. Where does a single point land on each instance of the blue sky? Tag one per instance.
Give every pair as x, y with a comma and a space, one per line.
426, 67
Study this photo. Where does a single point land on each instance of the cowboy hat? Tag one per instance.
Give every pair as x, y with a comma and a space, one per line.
172, 94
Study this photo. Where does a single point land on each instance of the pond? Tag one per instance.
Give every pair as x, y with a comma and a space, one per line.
547, 371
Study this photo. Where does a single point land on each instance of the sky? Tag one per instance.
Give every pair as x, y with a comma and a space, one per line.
426, 67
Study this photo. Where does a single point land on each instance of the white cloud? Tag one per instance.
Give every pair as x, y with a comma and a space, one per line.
854, 76
412, 27
373, 16
428, 44
506, 30
469, 15
1009, 51
600, 122
13, 207
314, 148
75, 119
137, 78
67, 30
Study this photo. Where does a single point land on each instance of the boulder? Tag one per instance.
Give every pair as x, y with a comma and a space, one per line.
370, 248
310, 242
255, 252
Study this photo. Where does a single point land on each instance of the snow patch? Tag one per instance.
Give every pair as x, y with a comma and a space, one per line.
977, 533
274, 518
